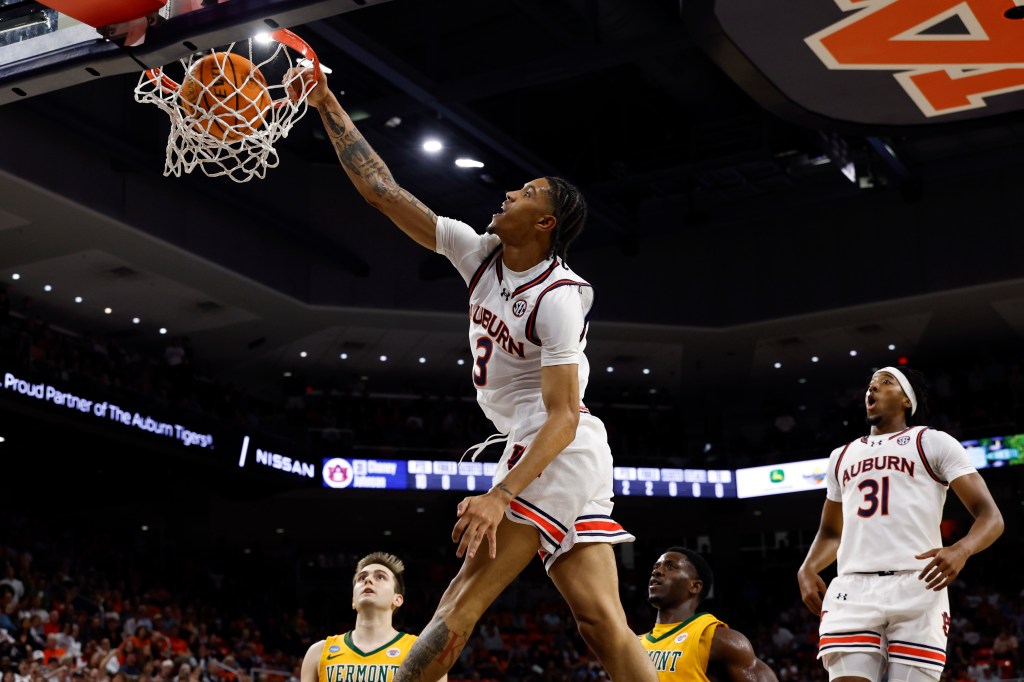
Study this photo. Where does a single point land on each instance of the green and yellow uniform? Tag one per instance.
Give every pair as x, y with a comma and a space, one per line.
342, 661
680, 651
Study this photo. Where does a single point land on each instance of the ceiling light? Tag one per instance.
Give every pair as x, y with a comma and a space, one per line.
432, 146
387, 532
47, 287
108, 310
609, 369
853, 353
303, 354
393, 122
778, 365
801, 380
653, 391
163, 330
892, 346
15, 276
423, 361
383, 358
145, 528
646, 371
469, 163
262, 38
814, 358
343, 356
136, 320
279, 531
307, 64
460, 362
2, 439
78, 299
287, 374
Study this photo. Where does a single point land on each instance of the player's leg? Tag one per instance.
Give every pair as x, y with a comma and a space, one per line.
918, 629
478, 583
588, 580
854, 666
851, 641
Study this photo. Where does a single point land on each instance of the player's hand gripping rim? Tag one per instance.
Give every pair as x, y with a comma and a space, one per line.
479, 517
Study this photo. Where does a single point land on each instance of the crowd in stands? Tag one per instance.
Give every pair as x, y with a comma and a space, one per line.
979, 397
86, 605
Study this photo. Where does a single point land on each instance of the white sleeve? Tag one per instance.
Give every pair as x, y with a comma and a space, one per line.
460, 243
832, 490
946, 455
560, 321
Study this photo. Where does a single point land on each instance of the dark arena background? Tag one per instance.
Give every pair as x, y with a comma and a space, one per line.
215, 397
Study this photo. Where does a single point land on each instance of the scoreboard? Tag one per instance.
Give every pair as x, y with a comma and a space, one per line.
422, 474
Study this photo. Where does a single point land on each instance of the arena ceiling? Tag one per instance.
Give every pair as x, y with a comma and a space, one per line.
724, 236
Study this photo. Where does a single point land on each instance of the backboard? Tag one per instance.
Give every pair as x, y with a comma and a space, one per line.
43, 49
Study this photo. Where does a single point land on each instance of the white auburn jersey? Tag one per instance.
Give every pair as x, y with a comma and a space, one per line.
892, 488
518, 322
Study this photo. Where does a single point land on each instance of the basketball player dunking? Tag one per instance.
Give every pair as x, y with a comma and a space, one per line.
881, 519
373, 649
527, 329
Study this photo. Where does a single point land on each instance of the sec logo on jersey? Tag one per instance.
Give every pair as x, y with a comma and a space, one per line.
519, 308
903, 440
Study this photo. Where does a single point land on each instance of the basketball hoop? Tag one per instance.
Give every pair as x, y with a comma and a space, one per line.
226, 120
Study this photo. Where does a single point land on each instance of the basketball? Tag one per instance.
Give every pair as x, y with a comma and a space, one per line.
232, 90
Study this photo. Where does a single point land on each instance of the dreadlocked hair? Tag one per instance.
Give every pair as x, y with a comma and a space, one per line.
702, 567
570, 211
920, 386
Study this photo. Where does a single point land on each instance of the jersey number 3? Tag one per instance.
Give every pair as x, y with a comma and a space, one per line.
872, 498
484, 348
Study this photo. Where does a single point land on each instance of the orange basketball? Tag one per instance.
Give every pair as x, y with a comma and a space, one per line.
233, 91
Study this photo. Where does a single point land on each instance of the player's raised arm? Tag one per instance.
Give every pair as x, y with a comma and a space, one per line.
823, 552
367, 171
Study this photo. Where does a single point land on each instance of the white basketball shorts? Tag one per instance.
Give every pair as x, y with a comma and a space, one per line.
893, 615
571, 501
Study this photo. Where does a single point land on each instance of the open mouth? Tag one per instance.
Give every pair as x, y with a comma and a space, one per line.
871, 401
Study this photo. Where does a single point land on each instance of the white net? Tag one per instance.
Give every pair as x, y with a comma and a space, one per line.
230, 107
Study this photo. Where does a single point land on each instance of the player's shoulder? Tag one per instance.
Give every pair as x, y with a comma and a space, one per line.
840, 449
936, 437
565, 273
466, 231
316, 649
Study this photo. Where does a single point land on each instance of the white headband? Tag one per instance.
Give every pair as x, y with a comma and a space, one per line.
901, 378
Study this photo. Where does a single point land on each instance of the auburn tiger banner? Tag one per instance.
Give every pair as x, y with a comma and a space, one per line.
874, 62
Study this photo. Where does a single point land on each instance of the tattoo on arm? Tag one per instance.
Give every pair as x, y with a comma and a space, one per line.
359, 160
335, 124
437, 645
419, 205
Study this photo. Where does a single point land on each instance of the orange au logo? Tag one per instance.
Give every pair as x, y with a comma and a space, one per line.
948, 55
